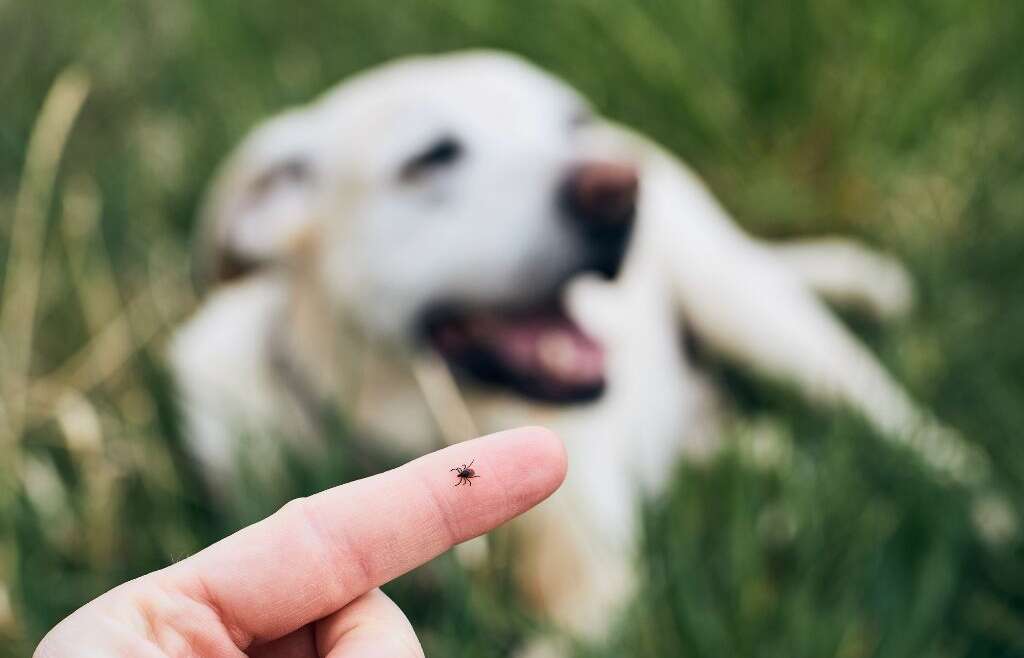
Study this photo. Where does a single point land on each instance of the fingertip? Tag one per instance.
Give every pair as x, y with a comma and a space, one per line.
550, 451
541, 459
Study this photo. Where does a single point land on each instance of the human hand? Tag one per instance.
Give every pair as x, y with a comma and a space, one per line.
303, 582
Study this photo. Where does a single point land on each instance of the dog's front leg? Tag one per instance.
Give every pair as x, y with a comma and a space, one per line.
849, 273
581, 544
745, 303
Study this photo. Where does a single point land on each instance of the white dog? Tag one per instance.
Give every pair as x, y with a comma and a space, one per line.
460, 211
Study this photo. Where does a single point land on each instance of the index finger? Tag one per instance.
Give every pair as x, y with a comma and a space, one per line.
316, 554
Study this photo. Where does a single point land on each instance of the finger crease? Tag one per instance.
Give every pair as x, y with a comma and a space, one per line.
336, 551
447, 513
241, 637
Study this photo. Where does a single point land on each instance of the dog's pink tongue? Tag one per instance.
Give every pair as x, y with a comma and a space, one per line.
551, 344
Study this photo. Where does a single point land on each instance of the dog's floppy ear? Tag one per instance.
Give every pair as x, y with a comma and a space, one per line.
260, 209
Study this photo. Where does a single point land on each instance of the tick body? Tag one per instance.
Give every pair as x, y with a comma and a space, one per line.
464, 474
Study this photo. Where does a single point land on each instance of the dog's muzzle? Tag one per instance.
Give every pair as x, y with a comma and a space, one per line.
541, 352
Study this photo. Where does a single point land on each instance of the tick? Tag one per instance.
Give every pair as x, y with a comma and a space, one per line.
465, 473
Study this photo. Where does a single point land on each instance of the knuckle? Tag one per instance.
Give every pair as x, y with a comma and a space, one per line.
179, 625
338, 554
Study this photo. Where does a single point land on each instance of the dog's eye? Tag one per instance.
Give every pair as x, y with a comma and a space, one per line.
292, 170
441, 153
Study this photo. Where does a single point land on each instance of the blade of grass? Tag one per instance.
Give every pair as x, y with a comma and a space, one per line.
22, 278
23, 272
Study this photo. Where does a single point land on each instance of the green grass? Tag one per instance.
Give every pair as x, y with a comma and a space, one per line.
898, 122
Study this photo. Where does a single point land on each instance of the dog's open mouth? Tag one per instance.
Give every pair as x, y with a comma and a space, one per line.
540, 353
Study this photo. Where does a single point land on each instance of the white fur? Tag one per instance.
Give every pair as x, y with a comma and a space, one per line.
366, 252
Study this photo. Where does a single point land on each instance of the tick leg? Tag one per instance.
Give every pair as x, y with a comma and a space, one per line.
471, 463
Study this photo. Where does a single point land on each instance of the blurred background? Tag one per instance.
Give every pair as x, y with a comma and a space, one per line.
897, 122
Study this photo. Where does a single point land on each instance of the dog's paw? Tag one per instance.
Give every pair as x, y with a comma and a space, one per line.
890, 293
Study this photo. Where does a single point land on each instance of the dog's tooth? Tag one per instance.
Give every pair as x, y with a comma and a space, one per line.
557, 352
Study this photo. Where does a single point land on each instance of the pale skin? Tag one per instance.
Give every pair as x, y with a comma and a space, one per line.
304, 581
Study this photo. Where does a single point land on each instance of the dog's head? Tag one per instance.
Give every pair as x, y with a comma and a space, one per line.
446, 200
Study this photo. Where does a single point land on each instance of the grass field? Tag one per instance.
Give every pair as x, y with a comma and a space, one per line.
897, 122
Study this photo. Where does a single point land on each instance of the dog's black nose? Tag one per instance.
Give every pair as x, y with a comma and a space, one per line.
602, 196
599, 198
